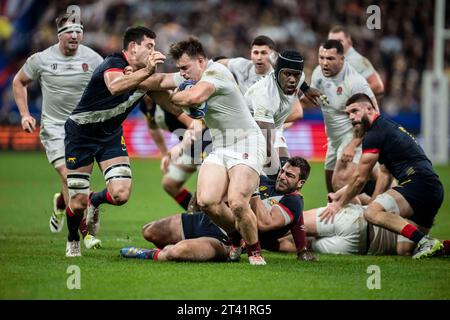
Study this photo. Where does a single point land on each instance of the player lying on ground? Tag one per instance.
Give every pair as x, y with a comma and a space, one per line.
194, 237
351, 233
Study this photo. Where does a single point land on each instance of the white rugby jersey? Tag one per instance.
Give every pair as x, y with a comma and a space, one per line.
359, 62
338, 90
226, 107
268, 103
62, 78
244, 73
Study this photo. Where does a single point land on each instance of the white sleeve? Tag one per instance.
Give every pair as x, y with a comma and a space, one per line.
216, 79
177, 78
315, 78
364, 67
359, 85
236, 65
262, 111
32, 67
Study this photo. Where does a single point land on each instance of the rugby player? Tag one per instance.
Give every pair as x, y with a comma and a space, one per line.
194, 237
338, 80
407, 209
94, 129
63, 71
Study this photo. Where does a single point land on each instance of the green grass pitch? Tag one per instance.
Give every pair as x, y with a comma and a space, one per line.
33, 263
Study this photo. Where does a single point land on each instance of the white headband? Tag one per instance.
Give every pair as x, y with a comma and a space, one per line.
75, 27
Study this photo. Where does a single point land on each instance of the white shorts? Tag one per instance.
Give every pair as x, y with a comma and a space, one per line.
336, 148
280, 140
52, 138
346, 235
250, 151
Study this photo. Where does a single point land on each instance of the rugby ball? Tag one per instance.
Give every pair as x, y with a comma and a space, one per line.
195, 112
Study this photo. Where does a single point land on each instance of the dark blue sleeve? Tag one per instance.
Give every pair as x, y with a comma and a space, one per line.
371, 142
293, 205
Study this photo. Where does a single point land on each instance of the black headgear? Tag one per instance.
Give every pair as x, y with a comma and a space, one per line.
289, 59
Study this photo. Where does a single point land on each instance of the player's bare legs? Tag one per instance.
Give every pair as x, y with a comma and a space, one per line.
243, 182
78, 188
117, 174
163, 232
200, 249
212, 186
377, 214
173, 183
60, 199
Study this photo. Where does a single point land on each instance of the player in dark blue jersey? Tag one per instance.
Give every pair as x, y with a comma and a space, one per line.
194, 237
94, 129
407, 209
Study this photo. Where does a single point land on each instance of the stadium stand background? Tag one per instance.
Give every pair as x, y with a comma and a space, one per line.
400, 50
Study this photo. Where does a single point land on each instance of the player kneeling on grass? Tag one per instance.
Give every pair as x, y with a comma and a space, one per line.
194, 237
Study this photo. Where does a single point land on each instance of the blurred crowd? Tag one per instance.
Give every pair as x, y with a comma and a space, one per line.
400, 51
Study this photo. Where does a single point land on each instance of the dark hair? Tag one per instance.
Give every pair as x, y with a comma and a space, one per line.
336, 44
219, 58
136, 34
63, 18
337, 29
302, 164
359, 97
263, 41
192, 47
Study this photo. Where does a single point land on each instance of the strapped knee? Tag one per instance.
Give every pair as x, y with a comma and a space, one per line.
388, 203
78, 183
117, 171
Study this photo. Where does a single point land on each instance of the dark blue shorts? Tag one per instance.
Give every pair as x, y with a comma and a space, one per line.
425, 195
200, 225
84, 143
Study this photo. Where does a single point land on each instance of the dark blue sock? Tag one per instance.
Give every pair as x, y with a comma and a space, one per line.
97, 198
73, 223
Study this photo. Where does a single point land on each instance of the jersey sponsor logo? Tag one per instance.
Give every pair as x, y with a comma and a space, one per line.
210, 73
54, 66
122, 142
85, 67
245, 156
71, 159
339, 90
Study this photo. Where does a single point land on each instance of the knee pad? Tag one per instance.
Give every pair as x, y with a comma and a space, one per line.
387, 202
78, 183
117, 171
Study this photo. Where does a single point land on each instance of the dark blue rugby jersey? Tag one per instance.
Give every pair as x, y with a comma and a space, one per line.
98, 105
291, 204
397, 149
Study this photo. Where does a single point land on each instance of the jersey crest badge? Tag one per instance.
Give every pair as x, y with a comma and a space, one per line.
339, 91
85, 67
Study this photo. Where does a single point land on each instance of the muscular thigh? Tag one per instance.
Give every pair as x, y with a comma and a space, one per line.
212, 183
243, 181
168, 229
207, 249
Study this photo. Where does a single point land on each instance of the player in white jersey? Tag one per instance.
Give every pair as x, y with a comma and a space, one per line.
356, 60
231, 171
338, 80
270, 100
63, 71
248, 72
